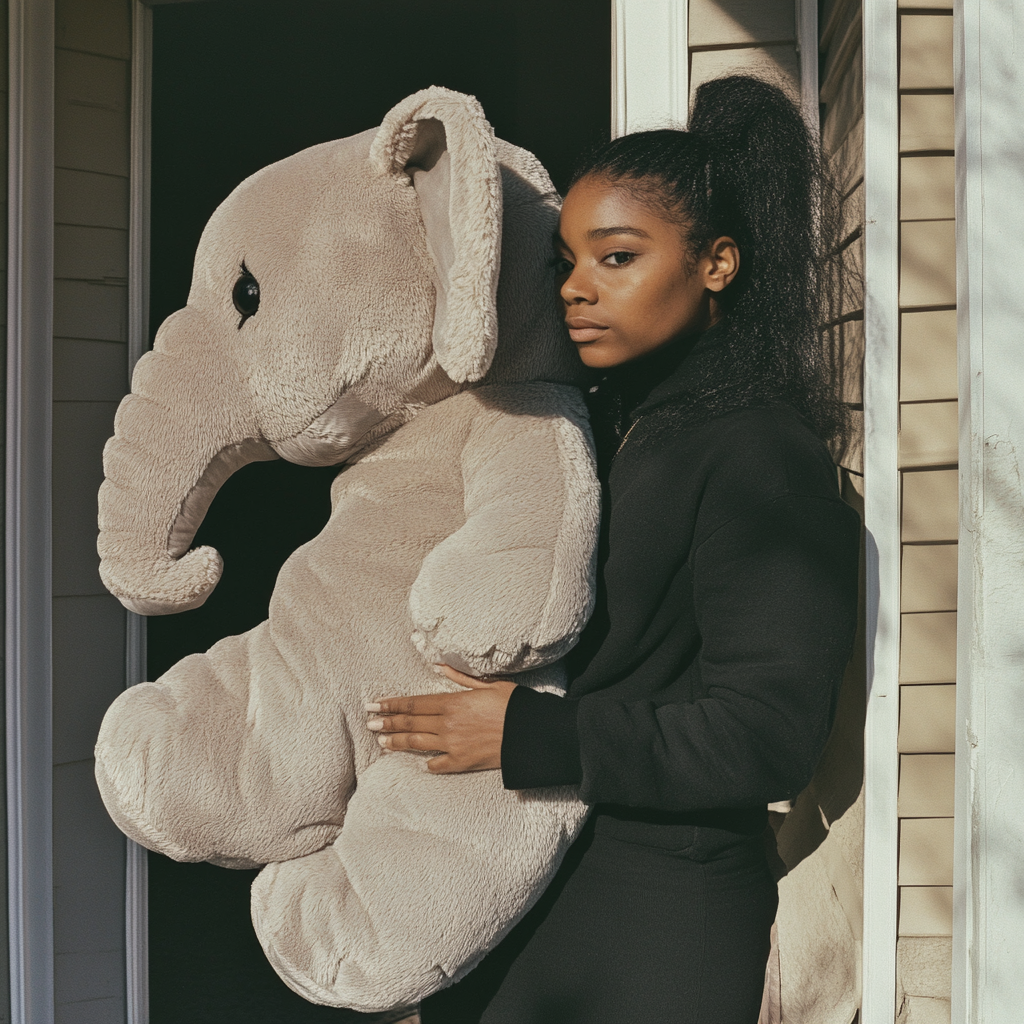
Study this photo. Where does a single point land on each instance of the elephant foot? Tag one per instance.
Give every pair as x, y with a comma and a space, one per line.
428, 874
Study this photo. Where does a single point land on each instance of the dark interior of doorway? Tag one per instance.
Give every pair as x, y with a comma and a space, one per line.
237, 85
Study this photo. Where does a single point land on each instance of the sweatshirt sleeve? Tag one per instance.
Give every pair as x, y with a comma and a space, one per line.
775, 596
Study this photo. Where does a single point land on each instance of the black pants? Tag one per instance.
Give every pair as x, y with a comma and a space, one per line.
631, 934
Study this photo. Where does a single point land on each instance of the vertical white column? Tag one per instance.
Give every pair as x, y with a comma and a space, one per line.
650, 64
881, 505
988, 918
807, 45
28, 629
137, 873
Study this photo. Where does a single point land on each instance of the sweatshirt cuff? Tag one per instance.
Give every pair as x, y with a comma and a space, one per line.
540, 745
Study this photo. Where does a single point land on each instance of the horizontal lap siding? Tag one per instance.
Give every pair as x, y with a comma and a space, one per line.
743, 36
91, 206
927, 459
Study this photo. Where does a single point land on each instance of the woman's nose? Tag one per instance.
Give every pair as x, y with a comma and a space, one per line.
576, 288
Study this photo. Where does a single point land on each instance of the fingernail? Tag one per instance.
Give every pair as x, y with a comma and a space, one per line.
382, 740
371, 707
375, 725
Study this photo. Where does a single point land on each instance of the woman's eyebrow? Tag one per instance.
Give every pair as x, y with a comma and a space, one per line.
606, 232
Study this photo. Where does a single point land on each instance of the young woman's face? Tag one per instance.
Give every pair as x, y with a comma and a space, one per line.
627, 282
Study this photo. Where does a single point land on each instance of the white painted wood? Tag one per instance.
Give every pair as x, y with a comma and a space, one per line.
137, 864
650, 63
807, 48
28, 612
881, 506
989, 904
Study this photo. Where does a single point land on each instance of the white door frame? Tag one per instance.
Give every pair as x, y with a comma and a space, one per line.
881, 506
28, 591
988, 895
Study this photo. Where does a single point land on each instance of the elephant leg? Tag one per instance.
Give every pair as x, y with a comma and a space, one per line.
223, 760
428, 873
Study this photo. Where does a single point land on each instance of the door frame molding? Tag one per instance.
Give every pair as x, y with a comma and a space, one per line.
28, 599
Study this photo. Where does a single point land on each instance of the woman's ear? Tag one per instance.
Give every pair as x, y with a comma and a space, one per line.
441, 142
722, 263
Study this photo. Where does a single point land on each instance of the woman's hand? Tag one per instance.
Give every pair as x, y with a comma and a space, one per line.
465, 727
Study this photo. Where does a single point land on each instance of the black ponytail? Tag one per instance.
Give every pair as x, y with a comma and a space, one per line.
748, 167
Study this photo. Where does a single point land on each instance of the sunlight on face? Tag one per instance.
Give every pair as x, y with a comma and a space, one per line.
626, 279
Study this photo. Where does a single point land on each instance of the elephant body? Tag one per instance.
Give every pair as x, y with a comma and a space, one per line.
463, 529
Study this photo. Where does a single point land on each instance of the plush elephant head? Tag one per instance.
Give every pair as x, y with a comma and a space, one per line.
334, 293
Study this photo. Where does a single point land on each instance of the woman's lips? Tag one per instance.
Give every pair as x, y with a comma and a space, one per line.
582, 329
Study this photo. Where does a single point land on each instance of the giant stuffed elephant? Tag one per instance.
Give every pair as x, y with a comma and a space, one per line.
346, 308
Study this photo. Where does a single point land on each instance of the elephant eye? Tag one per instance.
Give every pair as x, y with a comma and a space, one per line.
246, 295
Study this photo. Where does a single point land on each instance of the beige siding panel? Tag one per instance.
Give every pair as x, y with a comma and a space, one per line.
853, 212
851, 339
922, 1010
847, 162
926, 51
85, 848
926, 123
928, 647
853, 458
926, 910
930, 505
89, 371
80, 430
935, 5
91, 113
928, 370
845, 107
88, 671
927, 719
928, 263
90, 254
96, 200
928, 582
926, 851
925, 965
926, 786
928, 434
92, 1011
98, 26
739, 22
777, 62
82, 309
847, 268
927, 185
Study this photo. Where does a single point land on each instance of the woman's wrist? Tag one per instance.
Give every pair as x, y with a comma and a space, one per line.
540, 742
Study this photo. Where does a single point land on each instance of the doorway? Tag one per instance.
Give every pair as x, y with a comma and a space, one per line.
238, 84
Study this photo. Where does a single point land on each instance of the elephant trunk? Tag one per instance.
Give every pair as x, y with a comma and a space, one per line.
180, 434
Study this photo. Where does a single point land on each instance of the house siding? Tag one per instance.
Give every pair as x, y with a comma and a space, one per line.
927, 461
91, 155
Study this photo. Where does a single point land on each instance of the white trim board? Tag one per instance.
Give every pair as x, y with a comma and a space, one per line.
988, 896
137, 864
28, 609
881, 506
650, 65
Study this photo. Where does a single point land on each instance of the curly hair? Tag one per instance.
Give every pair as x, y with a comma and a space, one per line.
748, 167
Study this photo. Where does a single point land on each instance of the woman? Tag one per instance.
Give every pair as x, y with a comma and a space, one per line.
705, 684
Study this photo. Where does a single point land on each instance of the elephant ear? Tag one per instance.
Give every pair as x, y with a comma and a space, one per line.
441, 142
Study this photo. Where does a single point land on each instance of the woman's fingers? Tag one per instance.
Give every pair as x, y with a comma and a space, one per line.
408, 741
406, 723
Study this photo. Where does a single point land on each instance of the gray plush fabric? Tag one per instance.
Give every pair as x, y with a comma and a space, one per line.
463, 528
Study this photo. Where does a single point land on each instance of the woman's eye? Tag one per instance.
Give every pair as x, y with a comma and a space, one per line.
246, 295
619, 259
561, 265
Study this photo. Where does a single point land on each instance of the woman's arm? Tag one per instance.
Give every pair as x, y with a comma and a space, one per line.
775, 595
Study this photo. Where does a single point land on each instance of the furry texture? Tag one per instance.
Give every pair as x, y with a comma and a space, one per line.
463, 528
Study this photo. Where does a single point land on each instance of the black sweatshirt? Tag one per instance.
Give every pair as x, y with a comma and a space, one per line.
707, 678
